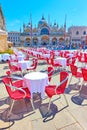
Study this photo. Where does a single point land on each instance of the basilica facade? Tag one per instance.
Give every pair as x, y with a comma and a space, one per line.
44, 34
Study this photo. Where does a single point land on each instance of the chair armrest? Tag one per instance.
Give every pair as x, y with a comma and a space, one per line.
16, 77
58, 84
15, 88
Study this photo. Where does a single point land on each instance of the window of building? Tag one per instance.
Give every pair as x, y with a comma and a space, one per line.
44, 31
84, 33
77, 32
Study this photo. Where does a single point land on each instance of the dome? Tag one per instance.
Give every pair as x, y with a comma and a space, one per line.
55, 25
41, 22
29, 25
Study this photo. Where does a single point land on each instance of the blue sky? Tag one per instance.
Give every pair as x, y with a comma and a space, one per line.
17, 12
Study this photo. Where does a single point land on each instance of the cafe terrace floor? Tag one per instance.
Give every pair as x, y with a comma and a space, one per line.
61, 117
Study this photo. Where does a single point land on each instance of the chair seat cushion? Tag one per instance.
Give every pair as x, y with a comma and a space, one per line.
18, 83
79, 75
17, 94
50, 90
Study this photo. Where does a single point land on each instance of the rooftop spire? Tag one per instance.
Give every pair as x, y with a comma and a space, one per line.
43, 17
65, 22
65, 27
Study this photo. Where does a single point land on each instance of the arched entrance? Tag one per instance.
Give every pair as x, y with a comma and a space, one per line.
61, 39
35, 40
74, 45
28, 41
54, 41
45, 40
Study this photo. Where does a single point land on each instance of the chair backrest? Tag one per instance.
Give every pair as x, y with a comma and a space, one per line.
52, 55
9, 76
13, 91
85, 57
53, 63
11, 67
50, 72
73, 60
63, 82
84, 73
35, 62
73, 69
7, 82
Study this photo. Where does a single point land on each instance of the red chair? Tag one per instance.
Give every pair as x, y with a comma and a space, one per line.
70, 61
75, 73
58, 89
55, 64
85, 57
34, 65
81, 57
50, 72
13, 60
84, 74
14, 68
15, 80
15, 93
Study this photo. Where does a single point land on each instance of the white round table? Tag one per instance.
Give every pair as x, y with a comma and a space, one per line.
24, 64
36, 82
61, 61
6, 56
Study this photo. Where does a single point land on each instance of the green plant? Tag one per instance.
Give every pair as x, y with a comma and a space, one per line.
9, 51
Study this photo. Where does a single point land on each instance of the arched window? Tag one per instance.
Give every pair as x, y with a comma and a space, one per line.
84, 33
44, 31
77, 32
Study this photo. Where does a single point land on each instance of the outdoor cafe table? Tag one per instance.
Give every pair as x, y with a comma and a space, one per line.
24, 64
6, 56
61, 61
1, 58
20, 57
36, 82
46, 55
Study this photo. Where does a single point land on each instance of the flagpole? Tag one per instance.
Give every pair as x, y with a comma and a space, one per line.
31, 26
65, 28
49, 26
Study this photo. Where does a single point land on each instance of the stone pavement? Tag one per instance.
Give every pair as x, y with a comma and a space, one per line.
61, 117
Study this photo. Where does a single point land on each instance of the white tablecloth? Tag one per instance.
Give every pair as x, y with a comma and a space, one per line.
36, 82
46, 55
13, 57
61, 61
56, 53
6, 56
70, 55
1, 58
20, 57
24, 64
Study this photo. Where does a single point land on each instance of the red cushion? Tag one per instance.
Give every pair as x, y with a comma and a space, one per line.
79, 75
18, 83
50, 90
17, 94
